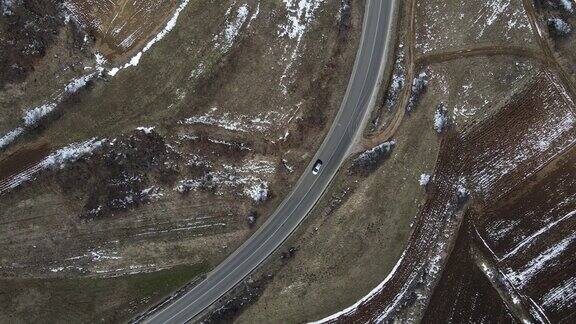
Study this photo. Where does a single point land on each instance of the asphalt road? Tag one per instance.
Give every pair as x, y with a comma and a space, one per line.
358, 101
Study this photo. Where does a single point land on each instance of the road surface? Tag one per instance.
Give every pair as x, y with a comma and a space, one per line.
360, 97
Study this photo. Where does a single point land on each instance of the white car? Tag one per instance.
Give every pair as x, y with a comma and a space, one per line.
317, 167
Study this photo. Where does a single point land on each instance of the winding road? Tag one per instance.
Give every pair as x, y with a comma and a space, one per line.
360, 97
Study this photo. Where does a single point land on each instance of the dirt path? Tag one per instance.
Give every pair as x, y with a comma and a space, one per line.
414, 63
389, 132
545, 46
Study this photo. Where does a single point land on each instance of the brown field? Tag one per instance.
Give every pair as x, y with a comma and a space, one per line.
479, 161
121, 25
443, 25
221, 130
543, 120
238, 108
533, 243
463, 294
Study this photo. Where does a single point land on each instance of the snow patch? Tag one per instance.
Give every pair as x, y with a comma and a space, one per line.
79, 83
560, 26
371, 156
300, 16
419, 86
258, 192
72, 153
135, 60
424, 179
568, 5
226, 38
10, 137
145, 130
440, 118
33, 116
539, 263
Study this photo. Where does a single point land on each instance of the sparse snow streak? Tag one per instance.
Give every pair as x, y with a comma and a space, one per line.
56, 160
249, 177
522, 277
484, 20
501, 228
300, 15
169, 26
530, 239
496, 8
254, 15
398, 79
10, 137
226, 38
242, 123
562, 296
34, 115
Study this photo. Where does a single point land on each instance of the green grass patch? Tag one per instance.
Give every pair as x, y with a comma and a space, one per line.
89, 299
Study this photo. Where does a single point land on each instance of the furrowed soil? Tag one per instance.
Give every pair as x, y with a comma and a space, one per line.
464, 294
536, 254
479, 160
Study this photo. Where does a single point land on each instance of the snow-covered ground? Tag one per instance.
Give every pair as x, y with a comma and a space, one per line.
9, 137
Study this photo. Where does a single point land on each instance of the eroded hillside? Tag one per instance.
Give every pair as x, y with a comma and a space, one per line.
149, 139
